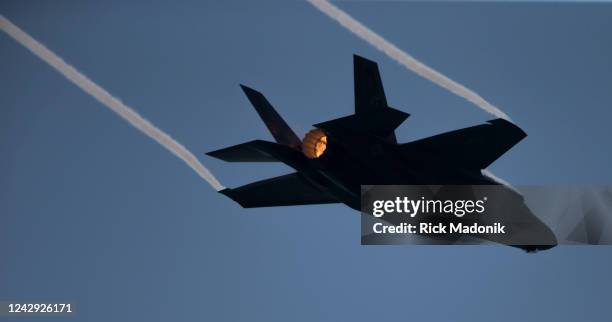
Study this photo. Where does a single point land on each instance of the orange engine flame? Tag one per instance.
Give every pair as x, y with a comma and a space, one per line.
314, 144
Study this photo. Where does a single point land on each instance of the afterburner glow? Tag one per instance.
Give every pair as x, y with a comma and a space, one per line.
314, 144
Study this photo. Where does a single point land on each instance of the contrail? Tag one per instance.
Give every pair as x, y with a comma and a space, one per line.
109, 101
403, 58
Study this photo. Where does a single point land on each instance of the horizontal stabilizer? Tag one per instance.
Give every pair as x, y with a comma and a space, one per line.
261, 151
381, 123
253, 151
287, 190
475, 147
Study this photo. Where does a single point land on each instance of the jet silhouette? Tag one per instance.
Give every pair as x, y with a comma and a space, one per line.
337, 157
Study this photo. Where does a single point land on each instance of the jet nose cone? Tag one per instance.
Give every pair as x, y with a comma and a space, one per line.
535, 248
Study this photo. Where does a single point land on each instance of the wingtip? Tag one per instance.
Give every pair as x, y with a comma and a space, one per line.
228, 192
508, 125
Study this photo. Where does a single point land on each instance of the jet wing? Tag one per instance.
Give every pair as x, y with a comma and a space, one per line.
475, 147
287, 190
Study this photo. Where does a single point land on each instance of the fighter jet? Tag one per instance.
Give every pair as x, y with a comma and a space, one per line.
337, 157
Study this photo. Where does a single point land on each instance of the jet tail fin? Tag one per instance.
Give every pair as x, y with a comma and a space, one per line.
279, 129
369, 92
370, 99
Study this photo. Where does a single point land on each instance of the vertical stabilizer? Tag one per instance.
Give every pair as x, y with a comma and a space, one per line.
370, 99
369, 92
279, 129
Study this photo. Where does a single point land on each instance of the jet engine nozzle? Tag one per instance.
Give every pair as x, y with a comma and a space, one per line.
314, 143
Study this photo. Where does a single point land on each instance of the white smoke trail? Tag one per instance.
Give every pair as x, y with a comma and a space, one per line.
109, 101
403, 58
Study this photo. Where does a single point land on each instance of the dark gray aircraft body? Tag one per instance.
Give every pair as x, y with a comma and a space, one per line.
339, 156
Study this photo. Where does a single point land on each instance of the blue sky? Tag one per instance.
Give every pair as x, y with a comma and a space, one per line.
95, 212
